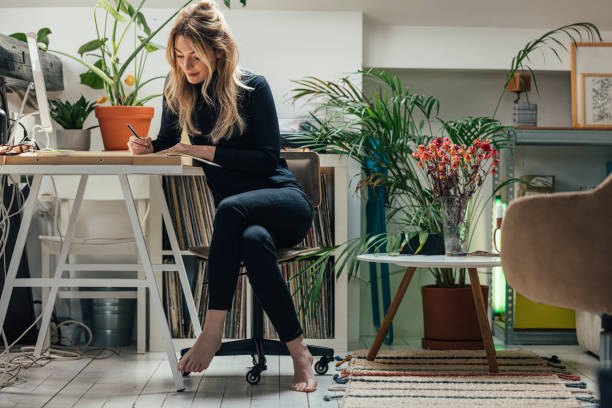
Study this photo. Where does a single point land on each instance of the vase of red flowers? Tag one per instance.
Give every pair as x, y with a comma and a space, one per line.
456, 173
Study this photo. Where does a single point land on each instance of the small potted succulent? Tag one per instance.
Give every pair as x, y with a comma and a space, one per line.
71, 116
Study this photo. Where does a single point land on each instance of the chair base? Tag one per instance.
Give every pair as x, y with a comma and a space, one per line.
259, 347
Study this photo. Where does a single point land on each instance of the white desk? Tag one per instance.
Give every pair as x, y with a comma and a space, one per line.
436, 261
85, 164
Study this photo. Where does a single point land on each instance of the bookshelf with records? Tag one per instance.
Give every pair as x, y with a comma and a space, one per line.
191, 208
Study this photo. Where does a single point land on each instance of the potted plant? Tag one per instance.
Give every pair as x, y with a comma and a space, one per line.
398, 122
121, 80
71, 117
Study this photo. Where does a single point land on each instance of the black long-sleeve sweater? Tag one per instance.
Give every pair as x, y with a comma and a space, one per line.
248, 161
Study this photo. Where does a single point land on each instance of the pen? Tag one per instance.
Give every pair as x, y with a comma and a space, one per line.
134, 132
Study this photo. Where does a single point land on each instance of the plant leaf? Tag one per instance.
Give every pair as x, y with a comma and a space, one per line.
91, 46
106, 5
92, 79
42, 37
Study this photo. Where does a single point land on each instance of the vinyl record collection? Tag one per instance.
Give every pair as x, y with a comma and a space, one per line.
192, 211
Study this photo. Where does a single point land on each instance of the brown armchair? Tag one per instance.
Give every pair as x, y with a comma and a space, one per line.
557, 249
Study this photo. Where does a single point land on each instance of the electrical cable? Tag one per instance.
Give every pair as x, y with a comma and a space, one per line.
10, 367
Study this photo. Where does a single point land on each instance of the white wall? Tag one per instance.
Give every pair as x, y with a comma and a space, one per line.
281, 45
400, 46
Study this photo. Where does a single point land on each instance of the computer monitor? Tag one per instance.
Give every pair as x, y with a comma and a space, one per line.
39, 85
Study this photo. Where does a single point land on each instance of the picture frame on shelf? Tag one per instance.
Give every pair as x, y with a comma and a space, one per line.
588, 58
596, 100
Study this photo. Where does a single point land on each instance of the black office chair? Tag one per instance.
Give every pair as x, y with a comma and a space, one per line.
305, 167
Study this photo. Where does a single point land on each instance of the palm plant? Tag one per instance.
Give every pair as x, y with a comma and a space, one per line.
547, 42
372, 131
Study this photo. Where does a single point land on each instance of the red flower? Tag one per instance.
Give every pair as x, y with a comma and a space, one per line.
485, 146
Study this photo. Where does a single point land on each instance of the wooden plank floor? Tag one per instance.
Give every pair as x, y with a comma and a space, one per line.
145, 380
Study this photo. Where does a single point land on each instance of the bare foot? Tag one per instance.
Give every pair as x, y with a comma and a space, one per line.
198, 358
303, 377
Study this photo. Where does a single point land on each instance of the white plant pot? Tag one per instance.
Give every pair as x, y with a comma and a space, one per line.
72, 139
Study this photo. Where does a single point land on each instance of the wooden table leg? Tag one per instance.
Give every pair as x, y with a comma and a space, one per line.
481, 313
384, 327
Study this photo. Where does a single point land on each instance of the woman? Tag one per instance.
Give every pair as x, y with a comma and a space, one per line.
231, 120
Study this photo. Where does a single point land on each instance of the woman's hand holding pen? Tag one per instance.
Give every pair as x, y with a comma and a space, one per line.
140, 146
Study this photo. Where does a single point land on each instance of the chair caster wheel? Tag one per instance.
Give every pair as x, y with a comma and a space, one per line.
321, 366
253, 377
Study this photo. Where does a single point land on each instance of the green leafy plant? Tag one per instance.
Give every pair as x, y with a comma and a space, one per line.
385, 129
71, 116
120, 24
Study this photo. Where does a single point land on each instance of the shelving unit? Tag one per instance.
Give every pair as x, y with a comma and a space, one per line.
342, 201
577, 158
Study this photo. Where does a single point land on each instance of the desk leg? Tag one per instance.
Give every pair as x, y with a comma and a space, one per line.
481, 313
26, 219
384, 327
152, 285
178, 258
62, 260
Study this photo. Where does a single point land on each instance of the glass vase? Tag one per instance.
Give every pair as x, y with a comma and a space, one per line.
455, 225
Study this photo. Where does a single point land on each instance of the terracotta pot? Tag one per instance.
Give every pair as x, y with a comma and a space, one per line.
113, 122
449, 318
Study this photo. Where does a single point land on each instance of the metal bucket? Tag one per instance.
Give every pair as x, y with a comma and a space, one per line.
72, 139
111, 320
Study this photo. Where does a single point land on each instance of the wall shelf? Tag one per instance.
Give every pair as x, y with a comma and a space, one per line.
544, 136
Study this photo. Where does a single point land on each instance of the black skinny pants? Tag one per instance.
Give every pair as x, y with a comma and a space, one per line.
250, 226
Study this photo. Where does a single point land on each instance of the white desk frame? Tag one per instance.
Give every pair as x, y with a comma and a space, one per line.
122, 171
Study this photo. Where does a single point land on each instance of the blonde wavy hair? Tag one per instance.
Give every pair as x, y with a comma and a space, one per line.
205, 26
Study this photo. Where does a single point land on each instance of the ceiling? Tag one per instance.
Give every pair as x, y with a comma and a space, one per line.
458, 13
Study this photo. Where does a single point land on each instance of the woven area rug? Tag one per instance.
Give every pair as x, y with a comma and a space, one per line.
424, 378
